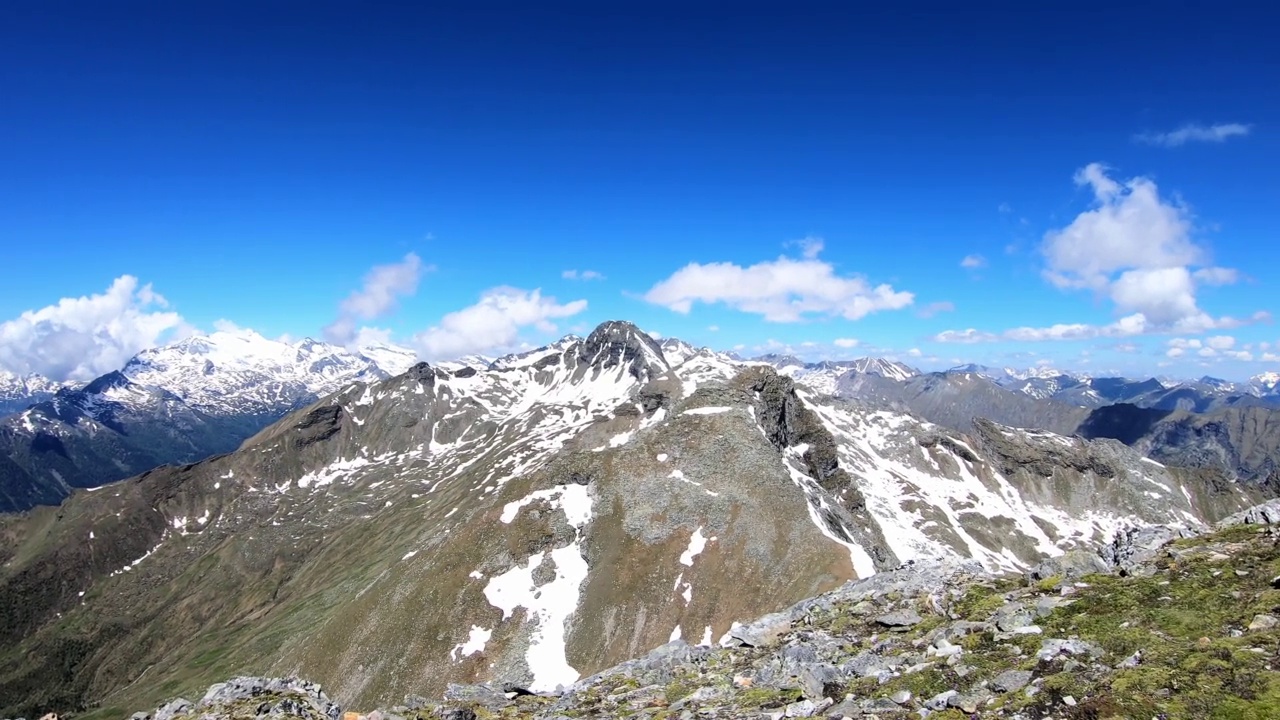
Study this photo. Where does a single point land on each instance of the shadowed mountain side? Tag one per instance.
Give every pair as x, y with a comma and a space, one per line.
1123, 421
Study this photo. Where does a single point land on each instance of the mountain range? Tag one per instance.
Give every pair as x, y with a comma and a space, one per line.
553, 513
206, 394
173, 404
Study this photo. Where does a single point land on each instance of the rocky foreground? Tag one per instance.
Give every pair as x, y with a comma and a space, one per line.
1159, 624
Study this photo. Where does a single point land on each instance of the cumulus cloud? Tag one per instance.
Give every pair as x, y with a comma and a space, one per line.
379, 295
493, 323
82, 338
846, 342
1133, 248
581, 275
782, 290
1193, 132
973, 262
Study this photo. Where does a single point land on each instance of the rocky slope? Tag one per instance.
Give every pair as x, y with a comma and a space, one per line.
1160, 623
178, 403
530, 524
1238, 442
1242, 443
953, 399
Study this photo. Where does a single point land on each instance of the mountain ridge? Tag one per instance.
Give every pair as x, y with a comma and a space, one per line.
532, 525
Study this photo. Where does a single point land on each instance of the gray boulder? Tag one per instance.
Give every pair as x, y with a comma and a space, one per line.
1133, 548
765, 632
1011, 680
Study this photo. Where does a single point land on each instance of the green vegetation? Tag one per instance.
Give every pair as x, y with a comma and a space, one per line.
764, 698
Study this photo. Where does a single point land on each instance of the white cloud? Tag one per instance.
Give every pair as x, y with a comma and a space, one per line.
973, 262
1135, 249
1127, 326
383, 287
1221, 342
846, 342
1270, 357
1131, 228
493, 323
966, 337
367, 336
934, 308
1216, 276
581, 275
713, 328
1004, 208
1193, 132
1175, 352
782, 290
810, 246
82, 338
915, 352
227, 326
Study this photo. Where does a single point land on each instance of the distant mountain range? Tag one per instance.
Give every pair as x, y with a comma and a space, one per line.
19, 392
207, 394
174, 404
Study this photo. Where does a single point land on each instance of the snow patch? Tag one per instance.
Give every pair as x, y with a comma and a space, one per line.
548, 607
708, 410
475, 643
574, 500
697, 543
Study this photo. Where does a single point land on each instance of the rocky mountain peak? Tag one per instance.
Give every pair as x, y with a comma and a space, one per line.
884, 368
111, 381
617, 342
18, 392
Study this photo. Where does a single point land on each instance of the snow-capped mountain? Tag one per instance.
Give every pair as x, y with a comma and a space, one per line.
824, 376
1267, 383
884, 368
533, 523
18, 392
176, 403
242, 372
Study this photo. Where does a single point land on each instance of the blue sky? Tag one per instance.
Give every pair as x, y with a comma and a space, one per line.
255, 163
